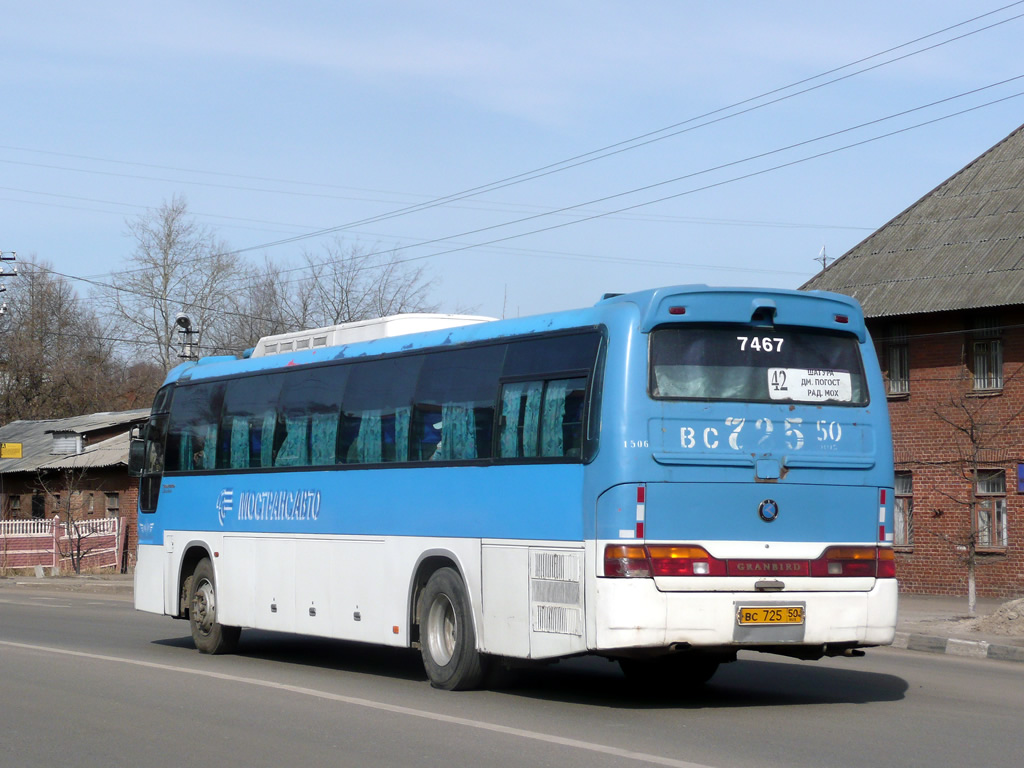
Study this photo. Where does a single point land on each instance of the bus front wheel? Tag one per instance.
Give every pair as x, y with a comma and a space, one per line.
208, 634
447, 638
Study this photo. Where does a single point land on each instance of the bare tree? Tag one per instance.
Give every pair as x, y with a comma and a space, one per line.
177, 266
55, 360
342, 283
71, 492
978, 436
345, 283
257, 309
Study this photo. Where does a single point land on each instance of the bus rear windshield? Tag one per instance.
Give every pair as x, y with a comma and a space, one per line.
756, 365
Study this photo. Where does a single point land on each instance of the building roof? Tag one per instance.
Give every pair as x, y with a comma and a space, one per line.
961, 246
36, 438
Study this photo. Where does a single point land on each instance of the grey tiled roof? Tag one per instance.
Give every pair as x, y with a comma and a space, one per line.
961, 246
36, 438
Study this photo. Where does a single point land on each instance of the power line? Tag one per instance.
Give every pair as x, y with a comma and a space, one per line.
619, 146
605, 214
724, 182
562, 165
706, 171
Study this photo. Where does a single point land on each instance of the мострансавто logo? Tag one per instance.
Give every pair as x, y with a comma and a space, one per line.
269, 505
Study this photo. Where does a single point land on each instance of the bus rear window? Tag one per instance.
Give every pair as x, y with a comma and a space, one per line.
756, 365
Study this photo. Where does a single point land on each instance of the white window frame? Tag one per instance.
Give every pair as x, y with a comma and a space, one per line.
898, 362
987, 356
903, 510
990, 509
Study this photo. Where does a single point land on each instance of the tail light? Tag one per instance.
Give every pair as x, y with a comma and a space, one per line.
634, 561
853, 562
637, 561
626, 561
677, 560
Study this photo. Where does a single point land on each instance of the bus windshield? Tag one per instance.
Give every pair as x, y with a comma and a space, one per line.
755, 364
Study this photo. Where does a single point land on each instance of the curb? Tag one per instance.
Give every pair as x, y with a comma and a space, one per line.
977, 649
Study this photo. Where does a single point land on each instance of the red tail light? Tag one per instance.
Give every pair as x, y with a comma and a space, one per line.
638, 561
626, 561
853, 562
674, 560
633, 561
886, 563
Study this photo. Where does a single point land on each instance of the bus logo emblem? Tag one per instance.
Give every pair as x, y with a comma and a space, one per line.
768, 510
225, 503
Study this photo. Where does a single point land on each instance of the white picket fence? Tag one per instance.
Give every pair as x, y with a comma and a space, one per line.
48, 543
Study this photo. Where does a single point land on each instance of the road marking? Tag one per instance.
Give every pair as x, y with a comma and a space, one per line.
378, 705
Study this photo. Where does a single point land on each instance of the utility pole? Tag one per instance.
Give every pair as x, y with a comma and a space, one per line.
822, 257
6, 256
188, 348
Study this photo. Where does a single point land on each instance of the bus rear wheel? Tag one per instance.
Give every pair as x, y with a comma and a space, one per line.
208, 634
447, 638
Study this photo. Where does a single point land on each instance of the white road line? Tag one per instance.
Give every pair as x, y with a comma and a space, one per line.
378, 705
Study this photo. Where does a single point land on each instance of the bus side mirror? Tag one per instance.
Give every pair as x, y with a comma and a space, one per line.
136, 456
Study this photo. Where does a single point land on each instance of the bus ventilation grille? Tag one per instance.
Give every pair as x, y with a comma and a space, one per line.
556, 593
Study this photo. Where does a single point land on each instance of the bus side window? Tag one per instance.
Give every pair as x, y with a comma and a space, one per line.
542, 419
309, 410
377, 405
192, 442
453, 415
248, 420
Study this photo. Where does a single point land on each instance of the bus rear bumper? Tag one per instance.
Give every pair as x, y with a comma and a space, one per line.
632, 613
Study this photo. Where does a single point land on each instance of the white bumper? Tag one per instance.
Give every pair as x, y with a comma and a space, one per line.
632, 613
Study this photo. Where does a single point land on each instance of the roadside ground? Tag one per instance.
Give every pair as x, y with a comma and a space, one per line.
928, 623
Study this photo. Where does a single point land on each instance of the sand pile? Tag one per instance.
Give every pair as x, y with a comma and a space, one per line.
1008, 619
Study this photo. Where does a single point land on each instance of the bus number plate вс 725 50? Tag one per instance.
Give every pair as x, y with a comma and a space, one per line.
770, 614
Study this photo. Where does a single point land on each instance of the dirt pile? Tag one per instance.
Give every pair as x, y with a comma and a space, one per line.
1008, 619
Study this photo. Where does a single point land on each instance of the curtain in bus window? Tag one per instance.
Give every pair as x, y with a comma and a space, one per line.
458, 433
520, 410
239, 443
294, 451
367, 447
267, 439
324, 438
554, 413
185, 451
509, 438
209, 453
402, 418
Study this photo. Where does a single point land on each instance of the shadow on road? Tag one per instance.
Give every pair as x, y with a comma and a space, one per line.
755, 680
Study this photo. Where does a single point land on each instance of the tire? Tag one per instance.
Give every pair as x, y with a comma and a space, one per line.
447, 637
676, 671
208, 634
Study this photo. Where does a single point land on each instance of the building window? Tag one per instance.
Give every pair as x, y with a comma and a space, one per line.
15, 506
38, 506
987, 355
903, 510
90, 503
990, 514
113, 504
898, 361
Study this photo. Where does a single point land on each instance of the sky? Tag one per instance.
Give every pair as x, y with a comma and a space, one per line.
530, 156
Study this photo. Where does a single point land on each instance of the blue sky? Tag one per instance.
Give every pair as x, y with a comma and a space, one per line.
278, 120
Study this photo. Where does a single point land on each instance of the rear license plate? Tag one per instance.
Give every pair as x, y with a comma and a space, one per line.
770, 614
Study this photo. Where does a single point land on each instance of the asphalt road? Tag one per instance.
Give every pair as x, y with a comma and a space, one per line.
87, 681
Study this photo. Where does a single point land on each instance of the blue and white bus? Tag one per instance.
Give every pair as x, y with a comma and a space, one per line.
664, 479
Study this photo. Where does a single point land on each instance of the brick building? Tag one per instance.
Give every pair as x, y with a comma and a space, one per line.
80, 461
942, 286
